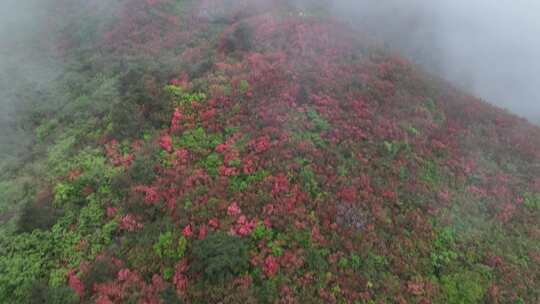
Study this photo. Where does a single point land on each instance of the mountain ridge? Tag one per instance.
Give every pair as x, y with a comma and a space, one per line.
196, 151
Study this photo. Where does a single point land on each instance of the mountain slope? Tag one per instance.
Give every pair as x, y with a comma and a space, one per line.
211, 152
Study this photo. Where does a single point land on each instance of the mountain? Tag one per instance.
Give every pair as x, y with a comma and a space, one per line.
254, 151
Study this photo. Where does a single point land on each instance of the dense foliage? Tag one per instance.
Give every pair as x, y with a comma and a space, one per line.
244, 151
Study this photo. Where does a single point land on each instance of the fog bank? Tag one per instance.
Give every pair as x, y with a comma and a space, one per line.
491, 48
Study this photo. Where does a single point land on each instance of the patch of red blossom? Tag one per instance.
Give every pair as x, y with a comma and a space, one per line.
129, 286
111, 212
208, 115
180, 279
227, 171
151, 195
248, 166
129, 223
176, 119
244, 227
280, 185
261, 144
507, 211
271, 266
73, 175
214, 223
187, 231
348, 194
75, 283
113, 153
415, 287
221, 148
165, 142
234, 210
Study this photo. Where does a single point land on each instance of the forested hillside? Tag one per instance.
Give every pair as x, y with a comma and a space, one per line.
229, 151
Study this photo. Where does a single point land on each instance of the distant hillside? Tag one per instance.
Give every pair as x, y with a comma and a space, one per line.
249, 152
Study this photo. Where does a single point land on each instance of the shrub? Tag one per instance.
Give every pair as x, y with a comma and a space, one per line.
170, 296
38, 215
23, 260
220, 257
99, 272
142, 170
240, 39
315, 260
199, 141
443, 253
464, 287
532, 201
40, 293
168, 249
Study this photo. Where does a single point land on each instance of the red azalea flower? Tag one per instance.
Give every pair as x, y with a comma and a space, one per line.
176, 120
129, 223
75, 283
187, 231
214, 223
234, 210
166, 142
271, 266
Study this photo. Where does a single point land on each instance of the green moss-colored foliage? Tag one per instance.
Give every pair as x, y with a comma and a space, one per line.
309, 181
219, 257
262, 232
23, 261
212, 164
463, 288
319, 123
199, 141
182, 98
532, 201
443, 252
169, 249
431, 174
243, 86
242, 182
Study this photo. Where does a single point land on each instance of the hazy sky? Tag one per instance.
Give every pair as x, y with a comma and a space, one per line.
490, 47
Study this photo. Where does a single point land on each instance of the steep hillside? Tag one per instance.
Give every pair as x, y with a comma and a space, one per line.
250, 152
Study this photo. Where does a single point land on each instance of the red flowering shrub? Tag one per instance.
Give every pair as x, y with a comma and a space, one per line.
176, 120
130, 286
129, 223
165, 143
151, 195
244, 227
233, 210
271, 266
75, 283
187, 231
